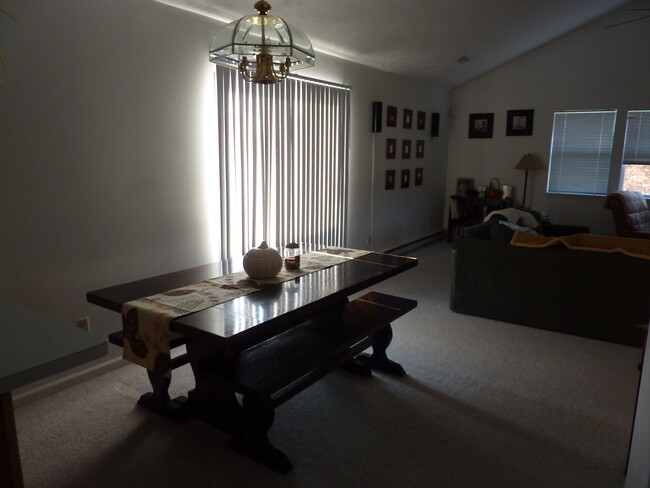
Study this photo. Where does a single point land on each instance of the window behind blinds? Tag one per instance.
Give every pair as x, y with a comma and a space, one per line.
581, 152
635, 174
283, 162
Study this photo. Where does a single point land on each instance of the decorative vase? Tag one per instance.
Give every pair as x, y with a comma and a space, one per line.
262, 262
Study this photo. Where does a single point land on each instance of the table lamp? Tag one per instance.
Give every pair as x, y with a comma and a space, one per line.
528, 163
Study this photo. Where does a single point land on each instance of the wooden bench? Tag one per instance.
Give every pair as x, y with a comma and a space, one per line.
270, 373
159, 400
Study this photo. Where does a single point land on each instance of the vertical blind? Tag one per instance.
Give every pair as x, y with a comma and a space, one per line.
637, 138
581, 152
283, 162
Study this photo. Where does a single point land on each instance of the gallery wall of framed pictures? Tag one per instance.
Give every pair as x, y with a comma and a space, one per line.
403, 146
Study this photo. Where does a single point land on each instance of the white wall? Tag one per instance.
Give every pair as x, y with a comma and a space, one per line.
400, 216
590, 68
102, 146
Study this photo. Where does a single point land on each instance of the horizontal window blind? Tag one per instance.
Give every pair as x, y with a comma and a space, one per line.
637, 138
581, 152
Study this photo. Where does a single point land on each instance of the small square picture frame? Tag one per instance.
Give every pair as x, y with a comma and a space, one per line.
391, 148
406, 149
407, 122
422, 120
406, 178
463, 185
520, 122
480, 126
389, 183
391, 116
419, 175
419, 148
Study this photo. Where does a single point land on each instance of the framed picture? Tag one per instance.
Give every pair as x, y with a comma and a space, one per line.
482, 191
391, 148
520, 123
419, 149
480, 125
418, 176
391, 116
422, 120
408, 118
390, 179
463, 185
406, 178
406, 149
435, 124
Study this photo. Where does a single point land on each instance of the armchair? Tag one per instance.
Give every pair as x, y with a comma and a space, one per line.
630, 212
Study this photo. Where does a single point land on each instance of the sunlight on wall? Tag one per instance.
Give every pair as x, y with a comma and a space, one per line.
209, 169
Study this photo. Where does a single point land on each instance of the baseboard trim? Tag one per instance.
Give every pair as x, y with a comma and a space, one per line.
50, 386
422, 241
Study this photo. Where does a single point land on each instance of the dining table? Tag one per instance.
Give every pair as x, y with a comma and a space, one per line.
251, 353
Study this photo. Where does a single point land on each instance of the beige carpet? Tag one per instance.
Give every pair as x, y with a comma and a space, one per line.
485, 404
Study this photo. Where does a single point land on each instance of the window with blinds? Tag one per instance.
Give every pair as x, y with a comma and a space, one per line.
282, 153
635, 173
581, 152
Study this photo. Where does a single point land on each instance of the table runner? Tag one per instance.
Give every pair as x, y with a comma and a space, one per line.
146, 320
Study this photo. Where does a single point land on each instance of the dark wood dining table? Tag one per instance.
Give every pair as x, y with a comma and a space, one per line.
297, 315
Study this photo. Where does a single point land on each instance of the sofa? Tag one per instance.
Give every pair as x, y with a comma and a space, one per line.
592, 294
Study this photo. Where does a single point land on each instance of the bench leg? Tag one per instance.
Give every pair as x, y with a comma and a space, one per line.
253, 441
378, 359
159, 400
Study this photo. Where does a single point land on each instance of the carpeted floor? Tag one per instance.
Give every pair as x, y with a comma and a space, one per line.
485, 404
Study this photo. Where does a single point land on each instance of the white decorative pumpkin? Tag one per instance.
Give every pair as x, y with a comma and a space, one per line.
262, 262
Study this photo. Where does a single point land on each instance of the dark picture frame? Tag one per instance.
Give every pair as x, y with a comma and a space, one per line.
391, 148
419, 148
391, 116
422, 120
407, 123
406, 149
480, 126
520, 122
419, 175
406, 178
463, 185
389, 183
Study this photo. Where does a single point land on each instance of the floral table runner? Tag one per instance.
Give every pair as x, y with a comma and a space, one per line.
146, 320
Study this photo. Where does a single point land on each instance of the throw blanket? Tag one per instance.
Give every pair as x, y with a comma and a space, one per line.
515, 216
636, 248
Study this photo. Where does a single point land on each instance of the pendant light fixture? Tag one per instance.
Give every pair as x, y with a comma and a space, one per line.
263, 48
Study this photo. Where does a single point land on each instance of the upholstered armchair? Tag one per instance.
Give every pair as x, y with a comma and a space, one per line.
630, 212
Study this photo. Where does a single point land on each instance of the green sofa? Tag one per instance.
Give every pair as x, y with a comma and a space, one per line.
586, 293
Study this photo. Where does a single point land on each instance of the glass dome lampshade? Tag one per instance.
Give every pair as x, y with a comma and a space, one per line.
262, 47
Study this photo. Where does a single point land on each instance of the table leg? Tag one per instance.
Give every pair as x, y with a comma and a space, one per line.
11, 474
159, 400
378, 359
253, 442
211, 400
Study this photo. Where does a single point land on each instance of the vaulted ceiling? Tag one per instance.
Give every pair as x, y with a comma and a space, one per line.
425, 39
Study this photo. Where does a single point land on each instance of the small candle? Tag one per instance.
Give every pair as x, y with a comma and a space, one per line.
292, 262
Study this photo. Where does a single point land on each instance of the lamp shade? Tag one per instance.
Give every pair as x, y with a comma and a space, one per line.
529, 163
